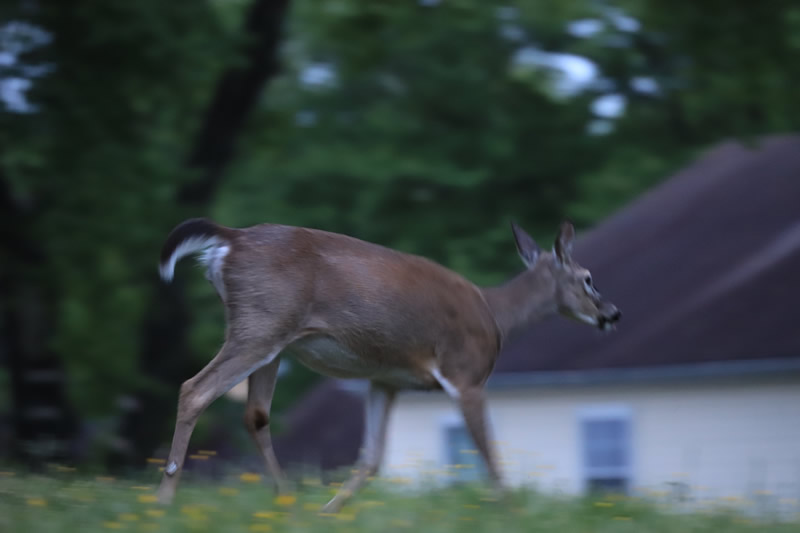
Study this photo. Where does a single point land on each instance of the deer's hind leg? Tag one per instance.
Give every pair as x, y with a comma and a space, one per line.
260, 389
236, 360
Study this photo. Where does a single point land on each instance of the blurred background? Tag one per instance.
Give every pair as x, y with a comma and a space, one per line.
425, 126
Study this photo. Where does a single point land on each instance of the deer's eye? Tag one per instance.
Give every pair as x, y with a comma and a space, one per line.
587, 285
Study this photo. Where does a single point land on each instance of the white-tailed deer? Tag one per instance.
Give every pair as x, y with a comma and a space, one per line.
351, 309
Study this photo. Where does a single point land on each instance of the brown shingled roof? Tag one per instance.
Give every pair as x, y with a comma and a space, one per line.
705, 267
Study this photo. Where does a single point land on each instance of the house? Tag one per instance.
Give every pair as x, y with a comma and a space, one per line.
699, 389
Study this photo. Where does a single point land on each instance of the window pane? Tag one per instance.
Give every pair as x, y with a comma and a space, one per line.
605, 431
605, 443
461, 451
600, 456
617, 456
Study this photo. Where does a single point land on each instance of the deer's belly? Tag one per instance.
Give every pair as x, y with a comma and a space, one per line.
328, 357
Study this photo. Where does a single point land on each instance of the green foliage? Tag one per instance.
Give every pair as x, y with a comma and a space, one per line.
732, 73
100, 161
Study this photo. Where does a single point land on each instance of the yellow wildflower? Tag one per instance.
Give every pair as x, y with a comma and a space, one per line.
285, 500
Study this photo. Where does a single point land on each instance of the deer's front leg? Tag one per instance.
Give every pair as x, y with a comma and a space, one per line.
378, 406
472, 402
260, 389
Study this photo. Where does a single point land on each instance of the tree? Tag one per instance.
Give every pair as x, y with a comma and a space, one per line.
88, 171
166, 322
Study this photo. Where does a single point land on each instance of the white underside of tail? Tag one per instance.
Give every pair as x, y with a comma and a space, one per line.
214, 259
213, 255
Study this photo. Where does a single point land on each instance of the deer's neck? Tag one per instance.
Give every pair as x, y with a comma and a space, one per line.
525, 299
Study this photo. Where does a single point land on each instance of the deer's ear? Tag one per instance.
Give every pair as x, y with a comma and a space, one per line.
563, 245
526, 246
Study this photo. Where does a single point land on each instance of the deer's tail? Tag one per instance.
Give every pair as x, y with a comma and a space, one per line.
190, 237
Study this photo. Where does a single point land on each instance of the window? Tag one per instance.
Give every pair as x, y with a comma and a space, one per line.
606, 449
460, 453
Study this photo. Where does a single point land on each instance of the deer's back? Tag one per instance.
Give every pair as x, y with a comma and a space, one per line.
388, 306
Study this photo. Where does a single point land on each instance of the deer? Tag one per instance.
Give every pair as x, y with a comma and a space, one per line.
352, 309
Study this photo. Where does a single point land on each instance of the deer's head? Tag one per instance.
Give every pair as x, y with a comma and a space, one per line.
571, 285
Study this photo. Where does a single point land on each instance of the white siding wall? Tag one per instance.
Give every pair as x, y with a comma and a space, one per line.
724, 439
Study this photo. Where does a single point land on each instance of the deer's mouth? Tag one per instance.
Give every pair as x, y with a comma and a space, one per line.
604, 324
608, 322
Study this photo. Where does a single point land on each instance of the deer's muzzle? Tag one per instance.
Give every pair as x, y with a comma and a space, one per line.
609, 315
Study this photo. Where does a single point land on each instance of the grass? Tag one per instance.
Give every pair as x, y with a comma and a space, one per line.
66, 502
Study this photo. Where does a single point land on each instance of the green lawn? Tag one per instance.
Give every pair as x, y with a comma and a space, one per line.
67, 502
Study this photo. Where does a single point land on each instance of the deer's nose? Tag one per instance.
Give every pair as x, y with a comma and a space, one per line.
616, 315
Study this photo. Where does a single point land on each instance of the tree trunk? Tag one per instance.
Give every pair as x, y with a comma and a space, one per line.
44, 426
165, 356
